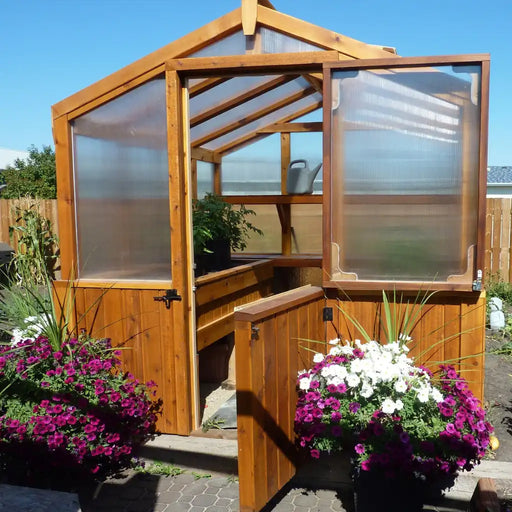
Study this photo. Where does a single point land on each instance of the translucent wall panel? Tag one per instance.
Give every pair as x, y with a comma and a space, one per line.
307, 228
266, 40
405, 146
121, 187
254, 169
204, 178
267, 220
276, 42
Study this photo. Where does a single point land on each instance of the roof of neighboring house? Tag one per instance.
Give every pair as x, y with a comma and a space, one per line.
499, 174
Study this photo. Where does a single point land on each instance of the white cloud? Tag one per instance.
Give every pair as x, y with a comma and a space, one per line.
7, 156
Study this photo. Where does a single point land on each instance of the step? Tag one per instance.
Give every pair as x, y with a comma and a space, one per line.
201, 454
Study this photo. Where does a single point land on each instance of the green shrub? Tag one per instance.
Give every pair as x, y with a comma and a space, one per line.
496, 286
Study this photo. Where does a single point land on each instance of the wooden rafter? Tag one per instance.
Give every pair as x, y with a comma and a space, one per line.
235, 101
304, 93
255, 136
205, 85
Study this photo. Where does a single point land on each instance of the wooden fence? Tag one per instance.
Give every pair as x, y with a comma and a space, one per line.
498, 239
46, 207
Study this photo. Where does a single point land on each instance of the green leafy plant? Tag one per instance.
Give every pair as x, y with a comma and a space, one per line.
36, 256
496, 286
161, 468
212, 423
33, 176
215, 219
198, 476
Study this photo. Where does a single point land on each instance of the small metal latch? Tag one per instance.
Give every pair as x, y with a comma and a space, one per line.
169, 296
477, 283
255, 331
327, 315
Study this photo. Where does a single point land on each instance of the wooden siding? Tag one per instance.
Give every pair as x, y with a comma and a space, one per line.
267, 340
271, 338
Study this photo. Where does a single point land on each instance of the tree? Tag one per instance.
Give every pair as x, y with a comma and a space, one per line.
33, 176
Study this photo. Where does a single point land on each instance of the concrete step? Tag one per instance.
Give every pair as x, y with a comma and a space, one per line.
200, 454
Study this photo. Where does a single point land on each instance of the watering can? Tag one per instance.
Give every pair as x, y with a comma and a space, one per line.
300, 177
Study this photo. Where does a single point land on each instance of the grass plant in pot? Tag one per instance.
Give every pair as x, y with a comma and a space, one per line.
408, 432
218, 229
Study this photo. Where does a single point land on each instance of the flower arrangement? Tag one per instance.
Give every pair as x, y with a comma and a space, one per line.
397, 419
71, 409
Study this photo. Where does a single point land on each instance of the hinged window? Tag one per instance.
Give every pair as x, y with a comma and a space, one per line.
406, 145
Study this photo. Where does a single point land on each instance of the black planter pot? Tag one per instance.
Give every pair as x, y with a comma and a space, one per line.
218, 259
374, 492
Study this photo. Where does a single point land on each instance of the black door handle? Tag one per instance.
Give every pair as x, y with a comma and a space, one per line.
169, 296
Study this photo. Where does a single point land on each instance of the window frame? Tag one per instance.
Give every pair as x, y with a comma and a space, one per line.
472, 283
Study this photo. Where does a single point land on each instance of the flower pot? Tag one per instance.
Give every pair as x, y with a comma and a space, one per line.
218, 259
373, 491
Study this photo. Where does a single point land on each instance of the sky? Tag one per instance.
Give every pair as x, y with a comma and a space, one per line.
50, 49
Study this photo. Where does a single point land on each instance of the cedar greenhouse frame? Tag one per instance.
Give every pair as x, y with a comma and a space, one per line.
129, 149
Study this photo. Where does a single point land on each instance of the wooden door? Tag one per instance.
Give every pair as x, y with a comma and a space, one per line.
155, 335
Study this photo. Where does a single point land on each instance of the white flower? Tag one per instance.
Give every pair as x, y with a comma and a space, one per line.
305, 383
346, 349
335, 341
399, 405
388, 406
335, 351
423, 394
436, 395
335, 380
400, 386
404, 338
356, 366
318, 358
366, 390
353, 380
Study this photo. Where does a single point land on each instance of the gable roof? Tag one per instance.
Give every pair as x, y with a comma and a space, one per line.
220, 122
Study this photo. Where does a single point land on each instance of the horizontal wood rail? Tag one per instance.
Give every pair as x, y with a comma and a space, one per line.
275, 199
218, 293
283, 260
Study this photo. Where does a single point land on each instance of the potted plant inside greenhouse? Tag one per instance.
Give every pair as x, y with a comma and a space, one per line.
218, 229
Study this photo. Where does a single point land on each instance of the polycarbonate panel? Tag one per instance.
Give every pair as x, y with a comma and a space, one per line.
254, 169
204, 178
234, 44
405, 149
276, 42
122, 187
249, 107
265, 41
267, 220
267, 120
307, 228
235, 86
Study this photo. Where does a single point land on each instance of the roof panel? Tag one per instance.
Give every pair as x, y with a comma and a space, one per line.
267, 120
249, 108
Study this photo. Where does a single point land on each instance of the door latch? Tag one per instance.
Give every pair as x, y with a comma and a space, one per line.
169, 296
